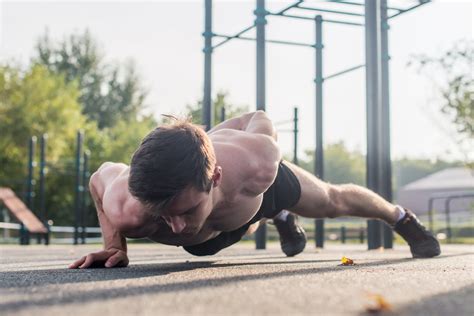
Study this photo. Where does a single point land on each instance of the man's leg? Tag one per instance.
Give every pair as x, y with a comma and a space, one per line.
320, 199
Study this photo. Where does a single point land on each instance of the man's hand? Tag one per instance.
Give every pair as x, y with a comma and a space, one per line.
106, 258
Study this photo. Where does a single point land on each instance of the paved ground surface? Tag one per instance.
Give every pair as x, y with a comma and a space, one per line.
165, 280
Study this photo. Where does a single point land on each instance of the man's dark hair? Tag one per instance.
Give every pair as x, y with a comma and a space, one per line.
169, 159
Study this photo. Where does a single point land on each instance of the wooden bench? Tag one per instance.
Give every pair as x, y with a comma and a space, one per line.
21, 212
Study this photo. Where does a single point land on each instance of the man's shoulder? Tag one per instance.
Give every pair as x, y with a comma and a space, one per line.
106, 174
228, 133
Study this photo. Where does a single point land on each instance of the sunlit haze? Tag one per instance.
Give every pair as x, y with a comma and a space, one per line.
164, 39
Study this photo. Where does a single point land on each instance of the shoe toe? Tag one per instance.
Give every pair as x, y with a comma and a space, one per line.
426, 249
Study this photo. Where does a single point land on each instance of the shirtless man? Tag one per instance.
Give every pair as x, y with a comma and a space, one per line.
205, 191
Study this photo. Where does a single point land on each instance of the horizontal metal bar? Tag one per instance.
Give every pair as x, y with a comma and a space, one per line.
62, 241
361, 4
234, 36
330, 11
54, 229
292, 16
283, 122
268, 41
343, 22
312, 19
290, 7
409, 9
344, 71
10, 225
347, 2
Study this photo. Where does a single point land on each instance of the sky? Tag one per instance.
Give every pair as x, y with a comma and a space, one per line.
164, 39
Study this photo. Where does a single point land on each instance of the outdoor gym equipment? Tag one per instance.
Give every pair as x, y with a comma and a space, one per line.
374, 16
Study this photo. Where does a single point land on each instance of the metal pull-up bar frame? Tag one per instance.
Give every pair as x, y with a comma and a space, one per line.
378, 122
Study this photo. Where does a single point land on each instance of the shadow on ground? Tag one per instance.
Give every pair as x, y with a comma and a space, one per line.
440, 304
32, 278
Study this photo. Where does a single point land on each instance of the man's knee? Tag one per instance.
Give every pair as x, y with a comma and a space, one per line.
336, 205
252, 228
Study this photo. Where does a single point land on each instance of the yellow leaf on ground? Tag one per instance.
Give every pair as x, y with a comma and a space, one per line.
379, 305
347, 262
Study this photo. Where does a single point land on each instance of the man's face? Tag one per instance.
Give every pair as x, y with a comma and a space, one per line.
187, 212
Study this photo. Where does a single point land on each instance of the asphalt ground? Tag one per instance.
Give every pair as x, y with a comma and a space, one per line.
164, 280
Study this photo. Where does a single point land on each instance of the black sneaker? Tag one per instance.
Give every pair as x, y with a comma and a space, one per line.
292, 235
422, 242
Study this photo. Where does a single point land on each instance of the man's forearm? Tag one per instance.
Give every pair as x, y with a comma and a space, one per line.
111, 236
113, 239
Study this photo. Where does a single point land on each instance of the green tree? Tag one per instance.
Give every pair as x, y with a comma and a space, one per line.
124, 138
220, 102
34, 102
108, 92
457, 87
451, 72
341, 165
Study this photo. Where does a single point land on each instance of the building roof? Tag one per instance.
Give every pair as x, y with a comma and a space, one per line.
447, 179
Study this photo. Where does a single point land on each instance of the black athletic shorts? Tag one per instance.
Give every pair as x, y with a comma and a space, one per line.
282, 194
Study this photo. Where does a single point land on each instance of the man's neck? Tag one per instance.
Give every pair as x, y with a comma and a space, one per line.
217, 197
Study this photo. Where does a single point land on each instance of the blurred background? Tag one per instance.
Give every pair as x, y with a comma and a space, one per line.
109, 69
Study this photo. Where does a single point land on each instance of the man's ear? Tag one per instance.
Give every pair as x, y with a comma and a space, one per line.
217, 176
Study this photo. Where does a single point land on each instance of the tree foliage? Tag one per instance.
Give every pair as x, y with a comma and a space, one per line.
456, 87
68, 88
220, 102
341, 165
108, 93
32, 103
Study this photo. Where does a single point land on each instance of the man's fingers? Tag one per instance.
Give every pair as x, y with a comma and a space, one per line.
111, 258
95, 257
117, 259
89, 260
77, 263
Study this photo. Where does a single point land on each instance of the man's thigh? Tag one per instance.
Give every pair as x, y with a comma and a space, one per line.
314, 199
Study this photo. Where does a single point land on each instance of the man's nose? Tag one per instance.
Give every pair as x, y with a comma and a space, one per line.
176, 223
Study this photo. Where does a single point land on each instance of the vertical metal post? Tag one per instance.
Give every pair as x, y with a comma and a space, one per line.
448, 220
85, 177
343, 234
30, 182
260, 22
78, 186
295, 135
373, 96
386, 162
207, 110
42, 178
319, 151
430, 214
222, 114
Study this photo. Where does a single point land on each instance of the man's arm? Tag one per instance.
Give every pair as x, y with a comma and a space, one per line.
253, 122
113, 239
115, 245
